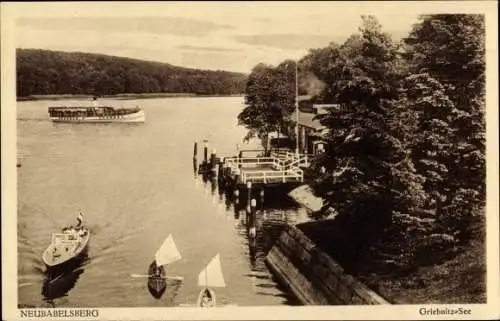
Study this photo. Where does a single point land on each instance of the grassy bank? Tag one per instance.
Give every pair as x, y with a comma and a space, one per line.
129, 96
459, 279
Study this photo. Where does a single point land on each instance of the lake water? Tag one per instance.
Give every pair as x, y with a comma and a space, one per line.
135, 185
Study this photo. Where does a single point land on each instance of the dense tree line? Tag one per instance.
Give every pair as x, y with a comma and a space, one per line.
405, 160
42, 72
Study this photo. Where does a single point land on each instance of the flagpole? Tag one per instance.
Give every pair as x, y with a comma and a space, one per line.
296, 109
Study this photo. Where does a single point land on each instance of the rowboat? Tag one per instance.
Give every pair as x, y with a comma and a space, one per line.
210, 277
157, 277
67, 249
157, 283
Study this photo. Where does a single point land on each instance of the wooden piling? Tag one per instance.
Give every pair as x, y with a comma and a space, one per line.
236, 209
248, 215
249, 191
253, 212
252, 232
220, 171
212, 160
237, 176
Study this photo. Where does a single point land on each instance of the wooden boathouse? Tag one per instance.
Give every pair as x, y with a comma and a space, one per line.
311, 131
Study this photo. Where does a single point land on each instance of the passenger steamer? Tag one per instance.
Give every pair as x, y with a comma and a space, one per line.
96, 114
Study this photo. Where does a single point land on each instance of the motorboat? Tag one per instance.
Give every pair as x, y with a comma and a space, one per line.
67, 249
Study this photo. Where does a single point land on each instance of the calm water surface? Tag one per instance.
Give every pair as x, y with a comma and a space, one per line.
135, 185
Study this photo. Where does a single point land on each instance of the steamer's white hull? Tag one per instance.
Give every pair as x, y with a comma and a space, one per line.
138, 117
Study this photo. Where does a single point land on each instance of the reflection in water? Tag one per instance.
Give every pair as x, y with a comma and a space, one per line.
261, 217
57, 285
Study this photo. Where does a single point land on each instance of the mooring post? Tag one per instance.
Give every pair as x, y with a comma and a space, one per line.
212, 186
253, 212
212, 159
219, 169
195, 162
236, 209
249, 191
237, 175
237, 196
248, 215
252, 232
205, 153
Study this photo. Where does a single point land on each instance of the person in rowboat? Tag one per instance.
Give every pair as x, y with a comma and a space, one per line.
206, 300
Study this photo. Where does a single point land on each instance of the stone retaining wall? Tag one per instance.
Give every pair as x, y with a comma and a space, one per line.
312, 275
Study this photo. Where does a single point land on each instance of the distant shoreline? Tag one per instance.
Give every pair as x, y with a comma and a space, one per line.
120, 96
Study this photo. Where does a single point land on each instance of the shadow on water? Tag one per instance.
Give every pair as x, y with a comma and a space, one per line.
54, 288
58, 284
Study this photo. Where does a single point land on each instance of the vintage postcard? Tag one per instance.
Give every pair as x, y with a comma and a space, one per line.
250, 160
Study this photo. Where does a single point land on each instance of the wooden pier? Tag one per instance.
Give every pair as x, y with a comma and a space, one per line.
251, 178
274, 169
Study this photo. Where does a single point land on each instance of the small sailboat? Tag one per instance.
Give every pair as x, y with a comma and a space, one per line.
210, 277
157, 278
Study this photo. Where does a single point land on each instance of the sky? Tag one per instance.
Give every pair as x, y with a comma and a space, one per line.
232, 36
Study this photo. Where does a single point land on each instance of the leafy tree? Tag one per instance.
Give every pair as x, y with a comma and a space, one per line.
368, 174
323, 64
450, 49
269, 100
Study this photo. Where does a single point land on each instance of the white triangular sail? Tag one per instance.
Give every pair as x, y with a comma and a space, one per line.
167, 253
211, 275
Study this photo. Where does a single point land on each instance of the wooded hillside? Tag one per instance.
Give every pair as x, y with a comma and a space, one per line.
44, 72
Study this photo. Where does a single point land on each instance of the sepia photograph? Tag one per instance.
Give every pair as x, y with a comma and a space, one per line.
232, 160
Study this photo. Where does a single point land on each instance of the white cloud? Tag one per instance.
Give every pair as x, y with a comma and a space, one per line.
231, 36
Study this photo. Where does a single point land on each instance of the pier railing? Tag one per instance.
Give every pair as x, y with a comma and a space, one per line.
303, 160
279, 168
265, 177
276, 163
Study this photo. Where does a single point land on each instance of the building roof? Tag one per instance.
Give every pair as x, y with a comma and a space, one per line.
307, 120
304, 98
